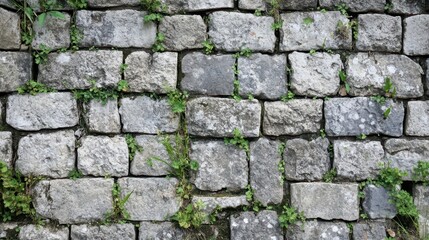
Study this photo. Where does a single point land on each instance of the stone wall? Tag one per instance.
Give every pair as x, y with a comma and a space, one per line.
305, 83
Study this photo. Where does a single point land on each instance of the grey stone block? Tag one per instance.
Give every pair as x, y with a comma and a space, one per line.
407, 7
8, 229
102, 118
11, 30
416, 39
15, 70
7, 3
255, 226
318, 230
112, 232
180, 6
417, 119
54, 33
369, 230
298, 4
421, 200
356, 5
211, 203
252, 5
31, 232
377, 203
183, 32
160, 230
112, 3
6, 152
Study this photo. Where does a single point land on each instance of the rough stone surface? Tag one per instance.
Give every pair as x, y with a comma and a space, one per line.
211, 203
377, 203
183, 32
53, 34
103, 156
306, 160
209, 75
59, 5
357, 161
251, 226
369, 230
11, 30
112, 232
47, 154
151, 199
417, 118
367, 75
265, 178
252, 5
31, 232
43, 111
74, 201
112, 3
77, 70
218, 117
231, 31
315, 74
161, 231
294, 117
356, 5
145, 115
7, 3
407, 6
329, 201
220, 166
262, 76
379, 32
318, 230
416, 39
355, 116
6, 152
421, 196
102, 117
198, 5
8, 229
298, 4
120, 28
321, 33
15, 70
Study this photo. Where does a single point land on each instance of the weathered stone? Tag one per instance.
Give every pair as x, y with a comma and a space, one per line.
218, 117
112, 3
47, 154
78, 70
251, 226
265, 178
53, 34
379, 32
74, 201
355, 116
358, 160
427, 71
220, 166
405, 154
318, 230
416, 39
355, 5
212, 203
322, 32
112, 232
252, 5
31, 232
315, 74
369, 230
102, 117
329, 201
298, 4
10, 38
421, 200
208, 75
145, 115
6, 152
366, 75
7, 3
294, 117
103, 156
175, 6
118, 28
15, 70
144, 162
407, 6
58, 5
306, 160
183, 32
152, 199
43, 111
8, 229
377, 203
161, 231
417, 118
232, 31
262, 76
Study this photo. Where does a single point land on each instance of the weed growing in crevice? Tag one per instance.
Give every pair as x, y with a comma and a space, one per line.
274, 11
33, 88
191, 216
289, 96
75, 174
238, 140
361, 136
308, 21
154, 8
177, 100
100, 94
254, 205
208, 46
330, 175
133, 146
343, 9
421, 173
27, 19
77, 4
236, 92
75, 37
41, 56
158, 46
281, 165
245, 52
119, 214
289, 216
343, 78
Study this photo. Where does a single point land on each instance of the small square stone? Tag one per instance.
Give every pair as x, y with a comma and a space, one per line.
183, 32
53, 33
102, 117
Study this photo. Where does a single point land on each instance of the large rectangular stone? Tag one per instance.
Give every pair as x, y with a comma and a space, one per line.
180, 6
408, 7
416, 39
112, 3
10, 38
355, 5
311, 230
15, 70
53, 34
111, 232
421, 200
255, 226
30, 232
417, 119
298, 4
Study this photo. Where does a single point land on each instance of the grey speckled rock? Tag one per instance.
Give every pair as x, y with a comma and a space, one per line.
145, 115
251, 226
355, 116
318, 230
252, 5
294, 117
377, 203
379, 32
6, 152
15, 70
7, 3
416, 39
356, 5
211, 203
407, 6
43, 111
265, 178
11, 30
160, 231
151, 199
176, 6
218, 117
232, 31
112, 232
315, 74
151, 73
220, 166
427, 74
118, 28
77, 70
53, 34
183, 32
321, 33
298, 4
417, 118
74, 201
7, 230
102, 118
367, 75
421, 200
112, 3
31, 232
47, 154
369, 230
405, 154
103, 156
208, 75
329, 201
306, 160
262, 76
357, 161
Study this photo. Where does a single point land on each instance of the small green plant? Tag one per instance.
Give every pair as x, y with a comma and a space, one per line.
387, 112
238, 140
213, 215
361, 136
100, 94
152, 5
33, 88
123, 86
390, 178
258, 13
343, 9
322, 133
191, 216
322, 10
388, 7
27, 19
277, 25
78, 4
177, 100
330, 175
254, 205
122, 68
289, 96
153, 17
250, 97
41, 56
421, 173
354, 25
308, 21
289, 216
133, 146
75, 174
208, 46
389, 88
281, 166
313, 51
379, 99
46, 7
158, 46
343, 78
119, 214
245, 52
75, 37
